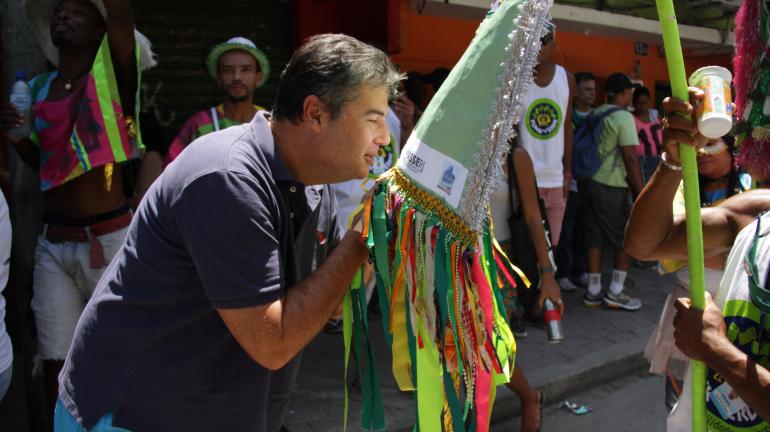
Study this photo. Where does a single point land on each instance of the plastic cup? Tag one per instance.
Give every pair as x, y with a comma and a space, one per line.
715, 114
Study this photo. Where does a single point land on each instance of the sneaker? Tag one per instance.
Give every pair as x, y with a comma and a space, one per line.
581, 280
518, 329
622, 301
592, 301
566, 285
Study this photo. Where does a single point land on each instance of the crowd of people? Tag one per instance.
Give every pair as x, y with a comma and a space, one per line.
127, 285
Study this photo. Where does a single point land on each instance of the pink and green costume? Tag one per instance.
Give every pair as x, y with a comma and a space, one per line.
199, 124
86, 130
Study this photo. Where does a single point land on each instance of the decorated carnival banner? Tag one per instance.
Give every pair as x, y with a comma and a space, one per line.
751, 67
427, 228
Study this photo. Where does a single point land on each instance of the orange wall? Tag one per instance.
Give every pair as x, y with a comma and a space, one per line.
429, 42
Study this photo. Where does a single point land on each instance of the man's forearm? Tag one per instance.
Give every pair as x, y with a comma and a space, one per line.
634, 172
652, 215
120, 28
119, 9
750, 380
310, 303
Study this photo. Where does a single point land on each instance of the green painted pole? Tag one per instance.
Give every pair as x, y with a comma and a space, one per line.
676, 72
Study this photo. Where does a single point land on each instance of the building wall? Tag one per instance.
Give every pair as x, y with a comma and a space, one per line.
184, 31
429, 42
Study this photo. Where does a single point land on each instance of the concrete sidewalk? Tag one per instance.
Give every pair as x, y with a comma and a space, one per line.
600, 345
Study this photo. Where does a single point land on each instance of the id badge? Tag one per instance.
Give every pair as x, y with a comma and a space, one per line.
726, 400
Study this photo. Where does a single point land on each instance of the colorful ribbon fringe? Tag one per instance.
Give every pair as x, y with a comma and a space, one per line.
442, 314
751, 64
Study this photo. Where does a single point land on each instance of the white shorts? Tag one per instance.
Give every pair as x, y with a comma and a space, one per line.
63, 281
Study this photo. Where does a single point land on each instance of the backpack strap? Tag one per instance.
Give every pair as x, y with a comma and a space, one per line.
609, 112
601, 118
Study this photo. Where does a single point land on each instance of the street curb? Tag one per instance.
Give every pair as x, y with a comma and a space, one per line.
559, 382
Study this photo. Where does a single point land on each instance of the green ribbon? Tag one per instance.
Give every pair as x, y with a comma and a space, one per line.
430, 394
347, 333
378, 243
372, 412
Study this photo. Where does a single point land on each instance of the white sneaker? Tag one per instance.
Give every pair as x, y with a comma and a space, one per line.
566, 285
622, 301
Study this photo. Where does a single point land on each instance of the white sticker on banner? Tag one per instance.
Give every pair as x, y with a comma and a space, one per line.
433, 170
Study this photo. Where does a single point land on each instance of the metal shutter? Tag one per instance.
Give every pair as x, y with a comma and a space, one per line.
183, 32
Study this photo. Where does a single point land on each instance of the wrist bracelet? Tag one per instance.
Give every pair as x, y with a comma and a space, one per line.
670, 165
547, 269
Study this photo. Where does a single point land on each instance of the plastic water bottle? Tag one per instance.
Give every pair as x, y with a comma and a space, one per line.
21, 99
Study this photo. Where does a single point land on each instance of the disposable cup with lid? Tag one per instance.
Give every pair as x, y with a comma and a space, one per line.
714, 112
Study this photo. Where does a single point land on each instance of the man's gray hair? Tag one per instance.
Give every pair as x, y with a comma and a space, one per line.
333, 67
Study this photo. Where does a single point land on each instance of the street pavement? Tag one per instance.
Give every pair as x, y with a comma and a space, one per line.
601, 345
630, 404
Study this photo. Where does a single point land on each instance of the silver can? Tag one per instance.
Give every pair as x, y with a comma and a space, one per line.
552, 319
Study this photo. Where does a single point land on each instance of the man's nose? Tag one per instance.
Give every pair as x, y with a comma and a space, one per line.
61, 14
383, 137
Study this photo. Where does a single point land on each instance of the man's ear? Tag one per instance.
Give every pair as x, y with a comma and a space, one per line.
313, 111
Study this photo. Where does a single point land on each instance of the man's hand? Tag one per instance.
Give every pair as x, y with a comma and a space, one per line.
10, 119
700, 334
549, 289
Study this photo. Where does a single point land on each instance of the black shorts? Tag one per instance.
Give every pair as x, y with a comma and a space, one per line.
605, 214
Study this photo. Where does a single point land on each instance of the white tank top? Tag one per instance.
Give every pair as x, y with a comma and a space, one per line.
541, 128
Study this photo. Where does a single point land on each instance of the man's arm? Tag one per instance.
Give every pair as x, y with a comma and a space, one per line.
120, 29
568, 135
524, 175
230, 225
633, 170
274, 333
701, 335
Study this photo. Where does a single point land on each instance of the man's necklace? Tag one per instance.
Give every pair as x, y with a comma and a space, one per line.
68, 82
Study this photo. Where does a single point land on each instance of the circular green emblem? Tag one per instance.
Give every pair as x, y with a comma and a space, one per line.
543, 118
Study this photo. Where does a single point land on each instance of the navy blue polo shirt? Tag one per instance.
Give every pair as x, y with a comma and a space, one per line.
220, 228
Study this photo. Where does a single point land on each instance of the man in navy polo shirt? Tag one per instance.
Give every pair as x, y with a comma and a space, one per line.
207, 295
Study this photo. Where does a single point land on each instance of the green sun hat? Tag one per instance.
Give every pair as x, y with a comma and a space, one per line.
238, 43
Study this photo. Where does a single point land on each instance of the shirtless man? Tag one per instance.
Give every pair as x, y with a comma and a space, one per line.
83, 128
